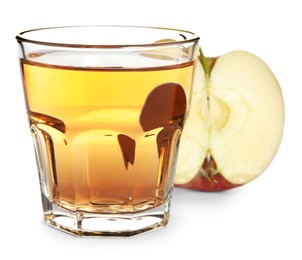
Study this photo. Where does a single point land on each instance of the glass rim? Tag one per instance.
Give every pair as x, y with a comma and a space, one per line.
21, 37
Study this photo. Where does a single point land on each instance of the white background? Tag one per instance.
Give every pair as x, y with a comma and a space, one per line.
261, 220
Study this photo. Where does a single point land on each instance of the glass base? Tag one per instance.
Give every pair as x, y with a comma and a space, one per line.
94, 224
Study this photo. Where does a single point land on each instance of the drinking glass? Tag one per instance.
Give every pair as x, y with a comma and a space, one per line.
106, 107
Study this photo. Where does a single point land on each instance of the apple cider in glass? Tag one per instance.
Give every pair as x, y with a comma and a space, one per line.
106, 107
106, 140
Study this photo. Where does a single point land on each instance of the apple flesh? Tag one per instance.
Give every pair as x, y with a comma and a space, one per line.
235, 123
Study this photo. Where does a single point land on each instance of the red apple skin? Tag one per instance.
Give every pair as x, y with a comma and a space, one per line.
212, 184
208, 179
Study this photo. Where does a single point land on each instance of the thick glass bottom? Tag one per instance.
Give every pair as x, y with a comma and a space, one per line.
94, 224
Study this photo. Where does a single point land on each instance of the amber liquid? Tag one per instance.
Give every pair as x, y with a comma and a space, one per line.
105, 138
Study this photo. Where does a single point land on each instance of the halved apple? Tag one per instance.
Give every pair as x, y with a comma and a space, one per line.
235, 123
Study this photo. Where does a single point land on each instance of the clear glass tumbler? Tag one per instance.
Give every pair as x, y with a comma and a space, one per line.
106, 107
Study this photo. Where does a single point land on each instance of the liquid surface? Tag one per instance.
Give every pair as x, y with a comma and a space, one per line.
105, 137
